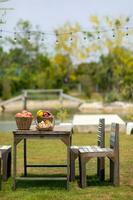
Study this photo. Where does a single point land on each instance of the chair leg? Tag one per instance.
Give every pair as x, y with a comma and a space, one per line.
101, 168
6, 166
0, 176
111, 171
73, 157
9, 165
114, 172
82, 171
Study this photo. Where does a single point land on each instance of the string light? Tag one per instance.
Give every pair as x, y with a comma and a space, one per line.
57, 34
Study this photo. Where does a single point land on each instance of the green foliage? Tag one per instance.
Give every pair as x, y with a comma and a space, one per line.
112, 96
28, 65
62, 115
6, 89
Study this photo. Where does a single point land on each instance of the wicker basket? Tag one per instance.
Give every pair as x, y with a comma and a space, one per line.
40, 119
50, 118
23, 123
45, 129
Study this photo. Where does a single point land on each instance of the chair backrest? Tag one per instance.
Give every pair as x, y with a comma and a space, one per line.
114, 137
101, 133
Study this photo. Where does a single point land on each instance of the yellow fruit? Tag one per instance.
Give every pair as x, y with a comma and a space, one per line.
39, 113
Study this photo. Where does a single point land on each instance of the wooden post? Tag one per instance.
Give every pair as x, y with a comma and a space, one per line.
25, 100
79, 88
61, 97
3, 108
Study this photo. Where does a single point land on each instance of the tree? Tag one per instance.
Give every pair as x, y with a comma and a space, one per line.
69, 41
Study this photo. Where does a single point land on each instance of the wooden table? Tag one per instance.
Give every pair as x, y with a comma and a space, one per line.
62, 132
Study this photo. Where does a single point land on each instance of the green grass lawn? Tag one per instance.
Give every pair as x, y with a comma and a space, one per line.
50, 152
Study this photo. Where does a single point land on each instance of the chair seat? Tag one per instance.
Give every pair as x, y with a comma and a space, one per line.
95, 151
5, 148
5, 152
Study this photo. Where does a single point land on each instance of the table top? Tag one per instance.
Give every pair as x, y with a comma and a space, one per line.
57, 130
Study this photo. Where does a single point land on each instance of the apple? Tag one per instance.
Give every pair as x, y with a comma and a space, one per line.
24, 113
47, 114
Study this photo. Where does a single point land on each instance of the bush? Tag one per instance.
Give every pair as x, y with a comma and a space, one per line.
6, 89
112, 96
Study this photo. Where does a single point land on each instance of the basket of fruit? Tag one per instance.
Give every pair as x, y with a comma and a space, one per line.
45, 120
24, 120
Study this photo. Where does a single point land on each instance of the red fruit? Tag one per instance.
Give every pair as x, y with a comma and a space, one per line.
29, 114
46, 115
24, 113
18, 115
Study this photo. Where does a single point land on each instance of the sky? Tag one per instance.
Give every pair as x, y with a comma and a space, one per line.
50, 14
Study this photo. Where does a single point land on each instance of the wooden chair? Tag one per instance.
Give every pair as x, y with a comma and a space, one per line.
85, 154
5, 152
0, 172
74, 152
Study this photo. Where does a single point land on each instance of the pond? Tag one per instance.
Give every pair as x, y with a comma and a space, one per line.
7, 121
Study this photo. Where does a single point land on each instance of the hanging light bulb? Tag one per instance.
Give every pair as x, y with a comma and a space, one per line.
15, 36
28, 35
42, 39
1, 34
84, 35
127, 31
113, 30
71, 39
98, 37
57, 42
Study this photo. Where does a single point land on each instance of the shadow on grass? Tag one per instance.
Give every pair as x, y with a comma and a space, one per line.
49, 184
93, 180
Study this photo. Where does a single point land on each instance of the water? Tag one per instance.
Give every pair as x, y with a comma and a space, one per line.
8, 124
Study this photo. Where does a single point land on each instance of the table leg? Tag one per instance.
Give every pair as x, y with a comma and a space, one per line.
14, 164
25, 159
70, 140
68, 162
